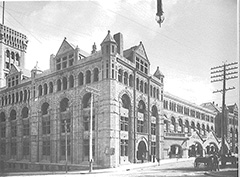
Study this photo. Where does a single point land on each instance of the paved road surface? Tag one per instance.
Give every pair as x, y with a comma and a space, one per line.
175, 169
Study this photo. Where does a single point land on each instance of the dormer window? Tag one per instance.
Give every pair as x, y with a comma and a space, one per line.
13, 81
64, 62
58, 63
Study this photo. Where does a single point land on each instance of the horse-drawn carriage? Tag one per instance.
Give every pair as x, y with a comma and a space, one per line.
210, 162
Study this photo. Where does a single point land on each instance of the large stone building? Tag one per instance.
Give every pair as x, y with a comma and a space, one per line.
133, 119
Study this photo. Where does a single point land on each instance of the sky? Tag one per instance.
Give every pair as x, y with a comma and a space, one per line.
195, 36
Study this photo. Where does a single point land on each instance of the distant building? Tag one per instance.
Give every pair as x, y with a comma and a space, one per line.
230, 124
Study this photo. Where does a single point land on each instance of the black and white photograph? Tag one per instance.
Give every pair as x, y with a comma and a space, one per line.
134, 88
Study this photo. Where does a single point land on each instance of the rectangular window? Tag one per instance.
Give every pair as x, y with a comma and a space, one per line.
64, 62
70, 63
124, 147
153, 148
3, 148
3, 131
141, 66
63, 150
46, 125
7, 65
86, 147
26, 148
198, 115
137, 63
14, 130
124, 123
26, 128
140, 126
13, 148
58, 63
86, 123
153, 128
46, 148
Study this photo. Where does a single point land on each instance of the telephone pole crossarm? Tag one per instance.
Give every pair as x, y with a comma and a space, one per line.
223, 74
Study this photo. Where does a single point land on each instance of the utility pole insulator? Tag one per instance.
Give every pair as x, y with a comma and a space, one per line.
224, 79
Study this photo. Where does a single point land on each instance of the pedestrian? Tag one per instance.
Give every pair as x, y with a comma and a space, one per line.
216, 162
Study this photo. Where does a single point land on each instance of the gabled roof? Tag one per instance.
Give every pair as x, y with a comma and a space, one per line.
108, 38
141, 51
129, 53
211, 106
14, 69
65, 47
233, 107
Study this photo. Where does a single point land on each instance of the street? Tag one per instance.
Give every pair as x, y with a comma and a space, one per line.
180, 168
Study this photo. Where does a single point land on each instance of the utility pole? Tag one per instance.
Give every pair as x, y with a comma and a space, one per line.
92, 92
223, 75
66, 149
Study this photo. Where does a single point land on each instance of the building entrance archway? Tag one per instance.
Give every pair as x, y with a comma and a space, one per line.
141, 151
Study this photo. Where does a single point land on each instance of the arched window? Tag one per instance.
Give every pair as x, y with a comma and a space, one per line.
13, 98
208, 129
59, 85
187, 130
141, 86
9, 99
13, 115
80, 78
50, 87
64, 83
44, 108
151, 90
71, 81
180, 125
199, 128
8, 53
25, 112
40, 90
145, 88
12, 55
130, 80
45, 88
21, 96
95, 75
86, 100
158, 94
6, 100
25, 95
137, 84
125, 78
17, 97
154, 92
64, 105
88, 76
2, 117
120, 74
17, 60
173, 124
203, 129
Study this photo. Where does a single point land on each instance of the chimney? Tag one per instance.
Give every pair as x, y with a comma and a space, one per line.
119, 40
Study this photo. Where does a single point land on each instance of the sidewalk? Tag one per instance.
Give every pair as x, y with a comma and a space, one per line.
125, 167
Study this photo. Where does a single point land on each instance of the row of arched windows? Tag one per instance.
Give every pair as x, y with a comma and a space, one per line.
13, 114
141, 86
18, 97
69, 82
185, 127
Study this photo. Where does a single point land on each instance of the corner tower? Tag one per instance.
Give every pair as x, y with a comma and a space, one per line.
13, 47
